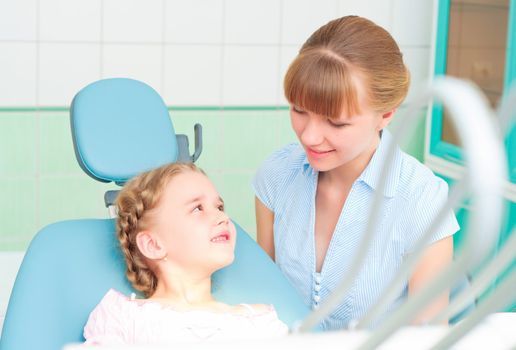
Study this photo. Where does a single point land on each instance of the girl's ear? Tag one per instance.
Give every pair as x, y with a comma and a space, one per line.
150, 245
386, 119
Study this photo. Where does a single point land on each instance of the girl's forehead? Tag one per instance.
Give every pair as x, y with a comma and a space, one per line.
189, 185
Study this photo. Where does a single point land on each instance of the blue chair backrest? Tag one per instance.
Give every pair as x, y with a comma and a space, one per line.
121, 127
70, 265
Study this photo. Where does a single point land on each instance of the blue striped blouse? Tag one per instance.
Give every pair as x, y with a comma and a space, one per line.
413, 195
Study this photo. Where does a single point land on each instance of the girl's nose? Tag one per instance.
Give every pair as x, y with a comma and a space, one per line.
222, 218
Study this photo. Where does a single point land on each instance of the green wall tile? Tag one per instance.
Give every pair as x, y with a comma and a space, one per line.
71, 198
55, 145
212, 134
249, 137
235, 143
286, 133
17, 143
18, 213
413, 144
235, 189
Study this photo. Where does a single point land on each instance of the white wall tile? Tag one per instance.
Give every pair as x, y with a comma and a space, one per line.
10, 262
133, 21
412, 22
77, 20
287, 55
65, 69
141, 62
193, 75
252, 21
193, 21
18, 74
378, 11
18, 20
418, 62
300, 18
250, 75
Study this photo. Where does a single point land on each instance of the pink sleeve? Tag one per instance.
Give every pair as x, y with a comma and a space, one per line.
110, 323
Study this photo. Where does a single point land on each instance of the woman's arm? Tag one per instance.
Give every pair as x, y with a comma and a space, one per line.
435, 259
264, 227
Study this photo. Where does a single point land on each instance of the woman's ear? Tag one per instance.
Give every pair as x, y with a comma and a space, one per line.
150, 245
386, 119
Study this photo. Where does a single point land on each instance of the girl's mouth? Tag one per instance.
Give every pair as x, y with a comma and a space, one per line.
220, 238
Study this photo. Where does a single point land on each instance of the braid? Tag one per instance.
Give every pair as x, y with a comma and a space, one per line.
137, 197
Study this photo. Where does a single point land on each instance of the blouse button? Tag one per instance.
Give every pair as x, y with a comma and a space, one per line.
317, 298
317, 279
317, 287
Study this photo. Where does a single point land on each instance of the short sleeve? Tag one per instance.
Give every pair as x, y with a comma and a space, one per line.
270, 176
424, 207
276, 326
268, 323
109, 323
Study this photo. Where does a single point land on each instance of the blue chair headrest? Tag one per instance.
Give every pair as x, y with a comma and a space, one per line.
112, 121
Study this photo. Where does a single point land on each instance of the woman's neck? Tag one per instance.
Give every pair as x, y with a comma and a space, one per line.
346, 174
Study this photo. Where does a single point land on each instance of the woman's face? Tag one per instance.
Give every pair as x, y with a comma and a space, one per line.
191, 223
332, 143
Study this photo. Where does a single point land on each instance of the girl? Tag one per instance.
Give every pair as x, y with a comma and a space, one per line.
174, 234
312, 199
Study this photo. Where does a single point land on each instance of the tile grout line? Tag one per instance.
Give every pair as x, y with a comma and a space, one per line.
37, 129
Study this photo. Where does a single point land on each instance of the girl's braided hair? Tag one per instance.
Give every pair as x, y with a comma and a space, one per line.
134, 202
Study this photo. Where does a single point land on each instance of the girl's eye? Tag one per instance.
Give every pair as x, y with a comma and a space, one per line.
197, 208
221, 207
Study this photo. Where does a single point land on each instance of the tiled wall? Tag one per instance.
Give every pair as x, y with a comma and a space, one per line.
202, 56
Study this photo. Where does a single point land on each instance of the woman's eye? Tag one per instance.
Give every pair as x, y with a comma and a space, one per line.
297, 110
338, 125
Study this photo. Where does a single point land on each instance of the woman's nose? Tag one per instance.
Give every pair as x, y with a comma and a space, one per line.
312, 133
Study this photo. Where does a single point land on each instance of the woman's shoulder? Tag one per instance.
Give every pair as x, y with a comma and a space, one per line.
282, 163
280, 168
416, 177
288, 156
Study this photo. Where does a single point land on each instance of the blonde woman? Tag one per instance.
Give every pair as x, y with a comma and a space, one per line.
313, 198
174, 234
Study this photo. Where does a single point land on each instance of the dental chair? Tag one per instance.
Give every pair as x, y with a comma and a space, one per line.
120, 127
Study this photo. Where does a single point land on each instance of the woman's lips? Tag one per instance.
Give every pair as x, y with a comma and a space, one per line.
317, 154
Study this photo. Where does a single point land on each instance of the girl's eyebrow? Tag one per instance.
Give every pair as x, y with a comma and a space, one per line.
195, 199
200, 198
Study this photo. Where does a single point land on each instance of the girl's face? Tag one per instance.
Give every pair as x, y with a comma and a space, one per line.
191, 224
333, 143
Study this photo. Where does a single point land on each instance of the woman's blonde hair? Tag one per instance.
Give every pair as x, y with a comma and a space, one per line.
134, 202
321, 78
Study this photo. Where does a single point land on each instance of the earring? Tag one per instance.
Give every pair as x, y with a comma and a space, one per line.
165, 258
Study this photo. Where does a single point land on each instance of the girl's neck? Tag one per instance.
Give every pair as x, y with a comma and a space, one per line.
186, 292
